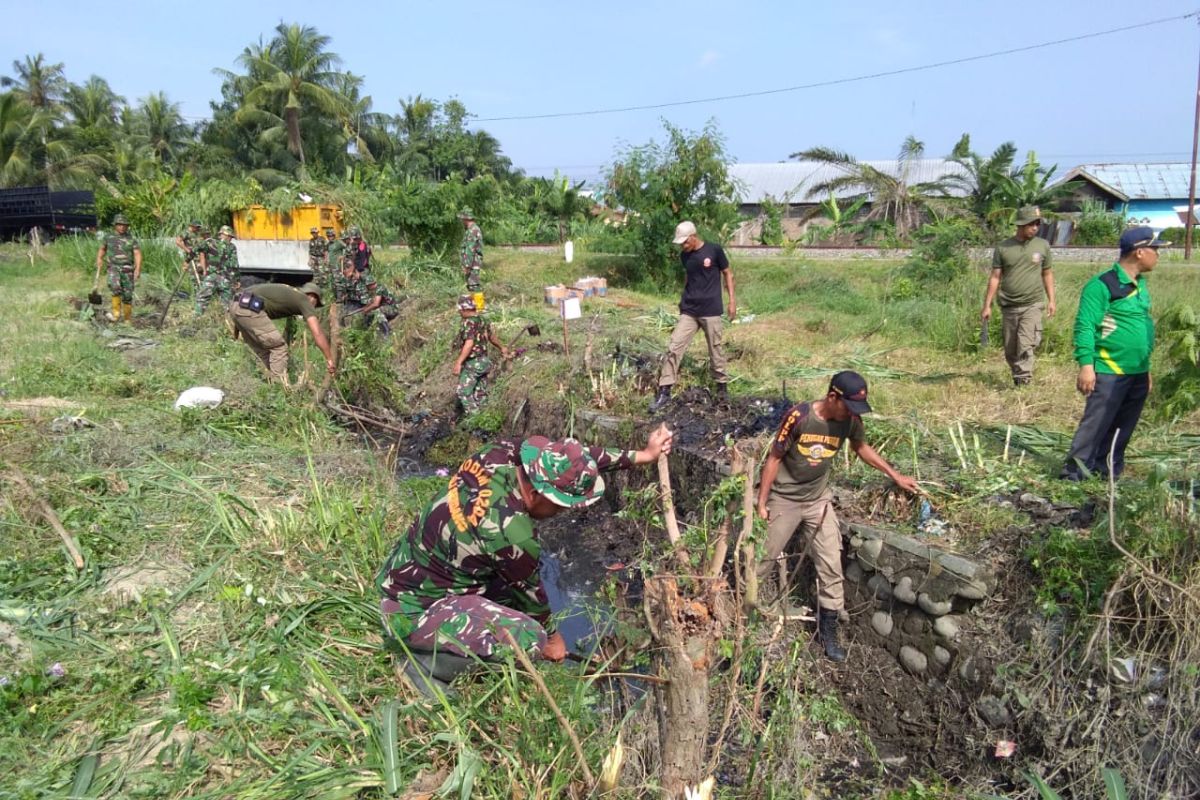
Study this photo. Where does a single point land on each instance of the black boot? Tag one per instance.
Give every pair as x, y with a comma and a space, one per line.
827, 633
660, 399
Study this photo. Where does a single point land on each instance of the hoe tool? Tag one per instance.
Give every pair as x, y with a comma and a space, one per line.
532, 330
170, 298
94, 296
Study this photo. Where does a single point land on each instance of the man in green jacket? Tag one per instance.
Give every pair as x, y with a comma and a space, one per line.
1114, 337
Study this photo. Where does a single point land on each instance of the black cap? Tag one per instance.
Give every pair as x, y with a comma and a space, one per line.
1143, 236
852, 389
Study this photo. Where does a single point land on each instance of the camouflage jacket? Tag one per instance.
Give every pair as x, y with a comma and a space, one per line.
222, 258
471, 251
334, 252
119, 250
193, 242
317, 248
476, 538
479, 331
361, 290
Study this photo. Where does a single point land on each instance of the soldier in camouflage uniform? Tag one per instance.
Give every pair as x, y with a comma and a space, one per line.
123, 256
219, 266
468, 565
334, 255
190, 243
473, 365
318, 251
361, 296
470, 253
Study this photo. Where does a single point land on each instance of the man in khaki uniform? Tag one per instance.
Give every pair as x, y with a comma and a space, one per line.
706, 268
1021, 273
794, 495
252, 313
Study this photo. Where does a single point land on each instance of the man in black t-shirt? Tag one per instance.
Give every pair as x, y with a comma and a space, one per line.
705, 268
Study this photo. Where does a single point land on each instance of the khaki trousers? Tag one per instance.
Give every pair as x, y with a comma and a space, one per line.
263, 338
681, 337
817, 522
1022, 335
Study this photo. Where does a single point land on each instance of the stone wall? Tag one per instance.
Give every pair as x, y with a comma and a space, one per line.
918, 597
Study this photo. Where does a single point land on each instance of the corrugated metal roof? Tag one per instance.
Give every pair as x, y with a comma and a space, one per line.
794, 179
1161, 181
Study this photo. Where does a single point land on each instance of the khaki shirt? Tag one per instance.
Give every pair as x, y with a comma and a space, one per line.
1021, 265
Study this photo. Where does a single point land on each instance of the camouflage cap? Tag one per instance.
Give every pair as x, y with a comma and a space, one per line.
314, 230
466, 303
194, 224
225, 230
564, 471
312, 288
1028, 214
329, 231
355, 232
120, 219
466, 213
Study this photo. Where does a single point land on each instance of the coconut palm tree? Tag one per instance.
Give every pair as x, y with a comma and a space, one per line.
40, 84
894, 196
17, 139
289, 79
92, 104
158, 120
414, 129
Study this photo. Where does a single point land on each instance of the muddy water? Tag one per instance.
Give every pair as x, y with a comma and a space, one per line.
582, 617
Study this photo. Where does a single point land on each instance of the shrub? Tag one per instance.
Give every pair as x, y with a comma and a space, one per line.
1097, 226
942, 252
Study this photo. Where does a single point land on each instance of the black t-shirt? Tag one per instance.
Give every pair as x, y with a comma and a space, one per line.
702, 281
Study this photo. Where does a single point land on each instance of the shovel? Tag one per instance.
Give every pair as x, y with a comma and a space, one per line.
170, 298
94, 297
532, 330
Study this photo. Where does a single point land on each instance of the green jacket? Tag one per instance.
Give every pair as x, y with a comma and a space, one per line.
1113, 329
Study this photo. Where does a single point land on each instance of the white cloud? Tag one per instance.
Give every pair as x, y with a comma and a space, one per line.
708, 58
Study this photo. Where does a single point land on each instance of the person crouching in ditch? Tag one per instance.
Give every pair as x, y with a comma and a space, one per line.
794, 495
473, 365
467, 568
253, 310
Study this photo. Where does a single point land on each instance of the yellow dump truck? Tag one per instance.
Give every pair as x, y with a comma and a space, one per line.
273, 245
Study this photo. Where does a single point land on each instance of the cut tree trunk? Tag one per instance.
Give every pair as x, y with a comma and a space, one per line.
684, 631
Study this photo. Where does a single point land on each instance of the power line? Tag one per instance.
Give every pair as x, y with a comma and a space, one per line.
841, 81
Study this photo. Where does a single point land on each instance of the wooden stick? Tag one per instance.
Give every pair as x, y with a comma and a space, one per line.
335, 344
562, 720
749, 559
669, 520
50, 517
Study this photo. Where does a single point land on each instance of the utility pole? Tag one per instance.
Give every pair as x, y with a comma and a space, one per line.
1187, 226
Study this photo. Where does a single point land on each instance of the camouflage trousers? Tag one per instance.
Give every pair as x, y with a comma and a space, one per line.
472, 389
465, 625
473, 276
212, 285
120, 282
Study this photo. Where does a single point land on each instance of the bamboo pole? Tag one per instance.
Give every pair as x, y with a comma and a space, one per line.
558, 714
669, 520
51, 518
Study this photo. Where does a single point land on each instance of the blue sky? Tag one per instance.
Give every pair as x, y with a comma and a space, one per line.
1126, 97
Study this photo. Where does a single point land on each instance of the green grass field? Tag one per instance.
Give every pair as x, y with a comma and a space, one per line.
221, 639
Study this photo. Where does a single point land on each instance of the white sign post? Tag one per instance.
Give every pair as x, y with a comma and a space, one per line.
570, 309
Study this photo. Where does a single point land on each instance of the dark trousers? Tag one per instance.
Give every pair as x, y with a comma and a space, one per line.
1112, 410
